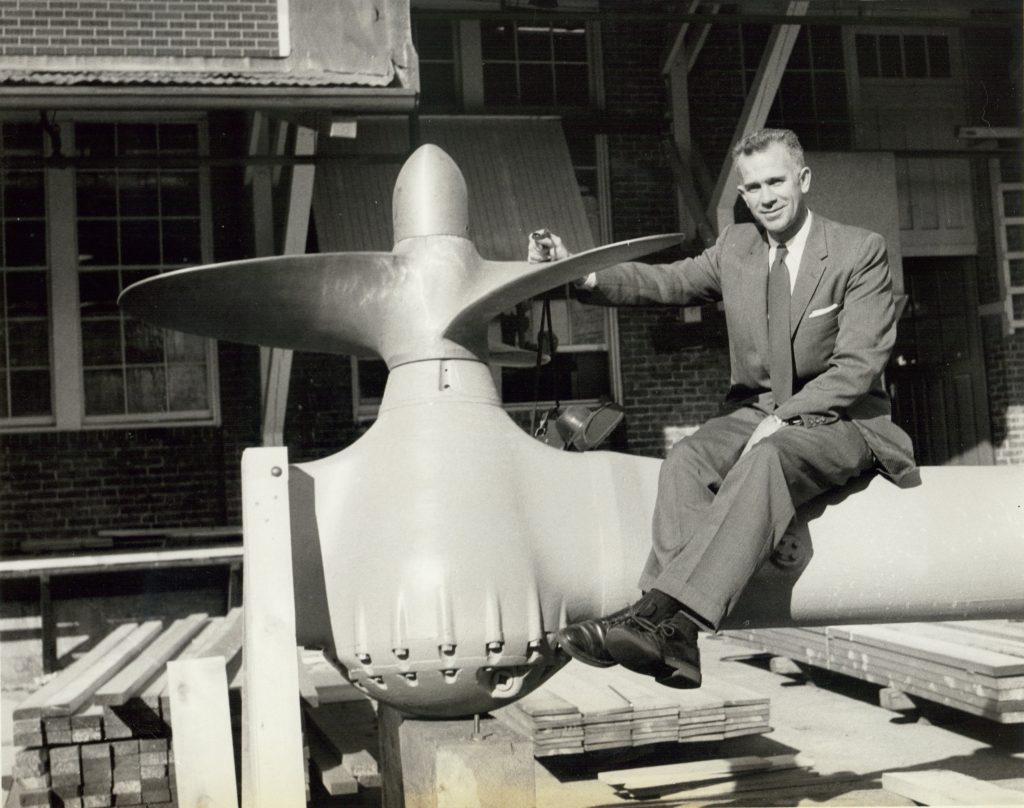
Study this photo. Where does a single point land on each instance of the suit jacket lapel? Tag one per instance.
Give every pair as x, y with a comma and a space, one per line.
812, 265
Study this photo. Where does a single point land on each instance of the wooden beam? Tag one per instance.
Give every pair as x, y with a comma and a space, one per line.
755, 110
938, 787
204, 765
276, 363
273, 766
116, 562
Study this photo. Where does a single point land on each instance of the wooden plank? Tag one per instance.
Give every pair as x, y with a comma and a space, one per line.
274, 771
762, 782
948, 653
591, 696
32, 705
306, 688
146, 665
328, 680
193, 557
963, 635
204, 767
939, 787
698, 770
77, 691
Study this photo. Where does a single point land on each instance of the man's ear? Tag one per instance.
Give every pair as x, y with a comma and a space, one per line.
805, 179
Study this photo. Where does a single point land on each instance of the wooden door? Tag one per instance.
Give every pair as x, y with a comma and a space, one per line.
937, 374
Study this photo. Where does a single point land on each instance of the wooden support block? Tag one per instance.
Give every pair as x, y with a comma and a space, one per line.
203, 748
938, 787
273, 769
896, 700
336, 779
441, 764
350, 731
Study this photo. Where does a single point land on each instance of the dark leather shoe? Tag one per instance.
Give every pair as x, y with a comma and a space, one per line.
665, 649
584, 641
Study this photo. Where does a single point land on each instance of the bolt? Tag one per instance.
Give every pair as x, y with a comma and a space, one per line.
275, 471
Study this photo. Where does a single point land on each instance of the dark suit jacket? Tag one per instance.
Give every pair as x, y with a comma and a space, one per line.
843, 323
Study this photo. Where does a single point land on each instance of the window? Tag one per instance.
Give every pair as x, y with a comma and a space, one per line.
134, 206
25, 364
903, 56
812, 97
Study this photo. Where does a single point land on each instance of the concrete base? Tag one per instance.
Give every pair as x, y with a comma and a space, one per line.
442, 764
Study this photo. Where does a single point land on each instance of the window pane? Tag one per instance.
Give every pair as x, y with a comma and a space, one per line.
536, 84
572, 85
497, 41
830, 95
1013, 203
26, 294
136, 139
914, 54
25, 243
570, 45
138, 193
97, 243
143, 343
97, 194
867, 56
796, 94
23, 193
1016, 271
101, 342
182, 242
373, 375
938, 57
834, 136
186, 387
4, 412
30, 393
434, 39
827, 47
104, 392
500, 84
1015, 237
146, 389
179, 137
800, 57
437, 85
891, 58
183, 347
534, 44
140, 242
97, 293
95, 139
28, 343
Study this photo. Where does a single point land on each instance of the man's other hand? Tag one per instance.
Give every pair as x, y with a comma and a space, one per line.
543, 245
769, 426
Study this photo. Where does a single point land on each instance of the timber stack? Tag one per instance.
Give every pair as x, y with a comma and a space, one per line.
973, 666
99, 733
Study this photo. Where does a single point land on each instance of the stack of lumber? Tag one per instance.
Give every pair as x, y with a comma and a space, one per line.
100, 732
973, 666
583, 709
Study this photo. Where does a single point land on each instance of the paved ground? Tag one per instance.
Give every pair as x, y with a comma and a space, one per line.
832, 719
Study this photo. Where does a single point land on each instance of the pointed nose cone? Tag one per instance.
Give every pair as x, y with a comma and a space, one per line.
430, 196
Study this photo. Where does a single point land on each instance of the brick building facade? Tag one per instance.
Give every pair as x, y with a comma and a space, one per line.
673, 369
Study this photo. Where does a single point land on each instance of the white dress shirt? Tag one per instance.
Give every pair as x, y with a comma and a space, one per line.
795, 250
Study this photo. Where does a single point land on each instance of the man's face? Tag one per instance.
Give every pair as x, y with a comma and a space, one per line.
773, 186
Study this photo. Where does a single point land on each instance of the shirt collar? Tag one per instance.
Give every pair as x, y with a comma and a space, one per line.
795, 244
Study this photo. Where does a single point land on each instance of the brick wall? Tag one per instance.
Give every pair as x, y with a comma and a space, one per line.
139, 28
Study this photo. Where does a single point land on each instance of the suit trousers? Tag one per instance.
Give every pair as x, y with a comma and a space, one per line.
718, 515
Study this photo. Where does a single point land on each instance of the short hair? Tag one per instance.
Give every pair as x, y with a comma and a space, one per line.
763, 138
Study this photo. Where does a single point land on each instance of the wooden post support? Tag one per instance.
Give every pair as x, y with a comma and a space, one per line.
447, 764
273, 772
204, 760
48, 625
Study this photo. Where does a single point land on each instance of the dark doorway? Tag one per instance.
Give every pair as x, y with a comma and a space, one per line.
937, 374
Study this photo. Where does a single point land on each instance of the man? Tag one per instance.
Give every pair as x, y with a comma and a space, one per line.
809, 310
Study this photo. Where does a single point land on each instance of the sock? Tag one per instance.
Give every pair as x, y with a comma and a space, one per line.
655, 605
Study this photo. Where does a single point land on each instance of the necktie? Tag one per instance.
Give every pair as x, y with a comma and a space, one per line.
780, 366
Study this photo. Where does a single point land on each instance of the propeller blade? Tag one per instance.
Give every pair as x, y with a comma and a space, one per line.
327, 302
499, 285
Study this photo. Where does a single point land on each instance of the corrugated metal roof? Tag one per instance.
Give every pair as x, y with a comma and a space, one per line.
518, 172
180, 78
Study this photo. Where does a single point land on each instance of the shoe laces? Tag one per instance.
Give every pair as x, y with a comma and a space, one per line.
664, 627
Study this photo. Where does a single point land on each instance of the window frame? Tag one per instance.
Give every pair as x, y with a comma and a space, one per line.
65, 326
